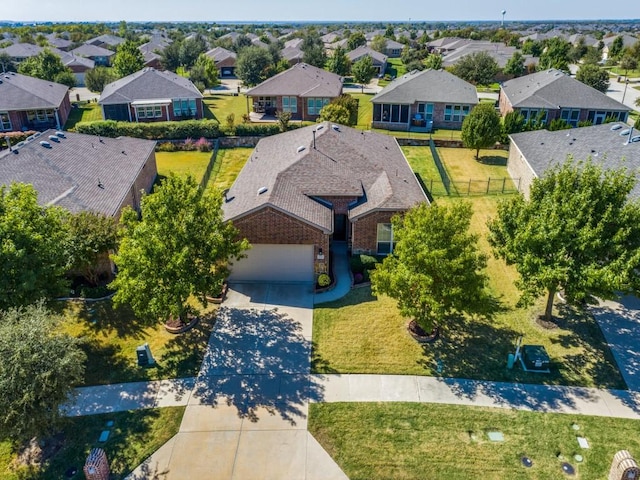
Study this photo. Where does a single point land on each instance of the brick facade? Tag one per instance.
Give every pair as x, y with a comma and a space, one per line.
340, 204
521, 173
144, 182
20, 121
364, 234
438, 118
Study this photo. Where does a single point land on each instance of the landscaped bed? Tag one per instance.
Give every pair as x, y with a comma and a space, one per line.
428, 441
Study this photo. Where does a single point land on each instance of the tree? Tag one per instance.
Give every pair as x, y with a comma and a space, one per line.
283, 120
555, 55
204, 72
39, 369
433, 61
513, 122
478, 68
96, 78
628, 62
363, 71
92, 235
241, 42
334, 113
435, 268
170, 56
515, 65
379, 44
128, 59
190, 50
356, 39
313, 50
252, 65
577, 232
33, 250
594, 76
390, 32
532, 47
45, 66
615, 50
178, 249
351, 104
6, 63
339, 62
481, 128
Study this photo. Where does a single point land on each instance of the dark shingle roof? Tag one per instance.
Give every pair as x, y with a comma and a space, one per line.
364, 51
68, 173
542, 148
106, 40
148, 84
21, 92
428, 86
344, 162
219, 54
553, 89
88, 50
22, 50
302, 80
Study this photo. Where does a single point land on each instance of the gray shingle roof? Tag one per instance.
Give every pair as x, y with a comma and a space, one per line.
542, 148
428, 86
88, 50
553, 89
148, 84
219, 54
364, 51
22, 50
68, 173
20, 92
347, 162
106, 39
302, 80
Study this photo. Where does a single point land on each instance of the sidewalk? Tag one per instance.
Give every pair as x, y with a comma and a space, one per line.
340, 274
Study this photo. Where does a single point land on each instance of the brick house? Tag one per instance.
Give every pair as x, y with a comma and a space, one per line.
151, 95
419, 101
101, 56
304, 189
302, 90
552, 94
225, 61
378, 59
28, 103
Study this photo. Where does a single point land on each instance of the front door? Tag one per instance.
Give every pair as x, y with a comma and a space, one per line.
340, 227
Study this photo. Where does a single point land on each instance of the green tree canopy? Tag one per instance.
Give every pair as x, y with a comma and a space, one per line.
204, 72
478, 68
339, 62
252, 66
45, 66
379, 44
515, 65
433, 61
356, 39
6, 63
616, 48
170, 57
313, 50
33, 250
363, 71
128, 59
96, 78
594, 76
190, 50
577, 232
334, 113
481, 128
555, 55
435, 268
351, 104
178, 249
39, 369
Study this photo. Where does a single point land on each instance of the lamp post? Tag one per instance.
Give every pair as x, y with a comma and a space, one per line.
626, 84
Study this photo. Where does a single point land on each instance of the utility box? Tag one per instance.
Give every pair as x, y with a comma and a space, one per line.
143, 352
535, 359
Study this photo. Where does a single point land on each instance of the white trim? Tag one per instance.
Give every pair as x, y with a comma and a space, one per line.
149, 103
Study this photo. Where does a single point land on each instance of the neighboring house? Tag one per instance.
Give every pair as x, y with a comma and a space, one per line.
151, 95
19, 52
293, 43
106, 41
225, 61
500, 52
292, 55
79, 66
302, 90
628, 41
552, 94
28, 103
532, 153
150, 53
421, 100
394, 49
60, 43
379, 59
83, 172
303, 189
101, 56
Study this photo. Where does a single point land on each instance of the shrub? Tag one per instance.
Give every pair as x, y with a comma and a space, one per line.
558, 124
152, 131
188, 145
202, 145
166, 147
361, 263
14, 137
324, 280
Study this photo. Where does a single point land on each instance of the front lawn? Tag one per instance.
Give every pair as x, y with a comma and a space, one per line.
111, 336
228, 164
134, 436
379, 441
84, 112
364, 334
183, 163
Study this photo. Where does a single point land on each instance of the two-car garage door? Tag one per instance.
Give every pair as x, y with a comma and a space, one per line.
275, 263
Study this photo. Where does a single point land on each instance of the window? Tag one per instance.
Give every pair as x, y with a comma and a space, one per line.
571, 116
40, 116
290, 104
391, 113
151, 111
426, 110
385, 239
455, 113
184, 107
600, 116
534, 115
5, 121
314, 105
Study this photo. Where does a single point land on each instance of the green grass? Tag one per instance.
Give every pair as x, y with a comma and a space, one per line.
365, 110
134, 436
405, 441
183, 163
617, 71
475, 348
423, 165
218, 107
110, 343
86, 112
228, 164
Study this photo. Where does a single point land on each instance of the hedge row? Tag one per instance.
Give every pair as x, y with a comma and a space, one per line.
14, 137
175, 130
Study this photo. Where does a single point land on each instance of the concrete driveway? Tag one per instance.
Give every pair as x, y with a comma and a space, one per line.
247, 414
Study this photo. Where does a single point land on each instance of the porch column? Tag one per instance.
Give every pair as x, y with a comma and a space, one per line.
136, 113
58, 127
167, 107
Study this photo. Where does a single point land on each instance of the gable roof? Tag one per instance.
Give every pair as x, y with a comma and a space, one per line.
364, 50
22, 50
88, 50
553, 89
106, 39
292, 53
344, 162
302, 80
70, 172
543, 149
148, 84
21, 92
219, 54
428, 86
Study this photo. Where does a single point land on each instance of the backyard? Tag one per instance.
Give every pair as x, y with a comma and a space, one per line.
183, 163
84, 112
228, 164
219, 106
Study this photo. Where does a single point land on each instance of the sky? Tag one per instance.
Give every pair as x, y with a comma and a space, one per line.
312, 10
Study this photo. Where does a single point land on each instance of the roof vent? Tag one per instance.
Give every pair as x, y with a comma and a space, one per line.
635, 139
301, 148
624, 132
336, 127
262, 190
60, 134
53, 138
37, 134
617, 126
320, 127
45, 144
20, 144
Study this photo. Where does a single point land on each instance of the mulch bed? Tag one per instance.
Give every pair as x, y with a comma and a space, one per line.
546, 324
175, 325
418, 333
